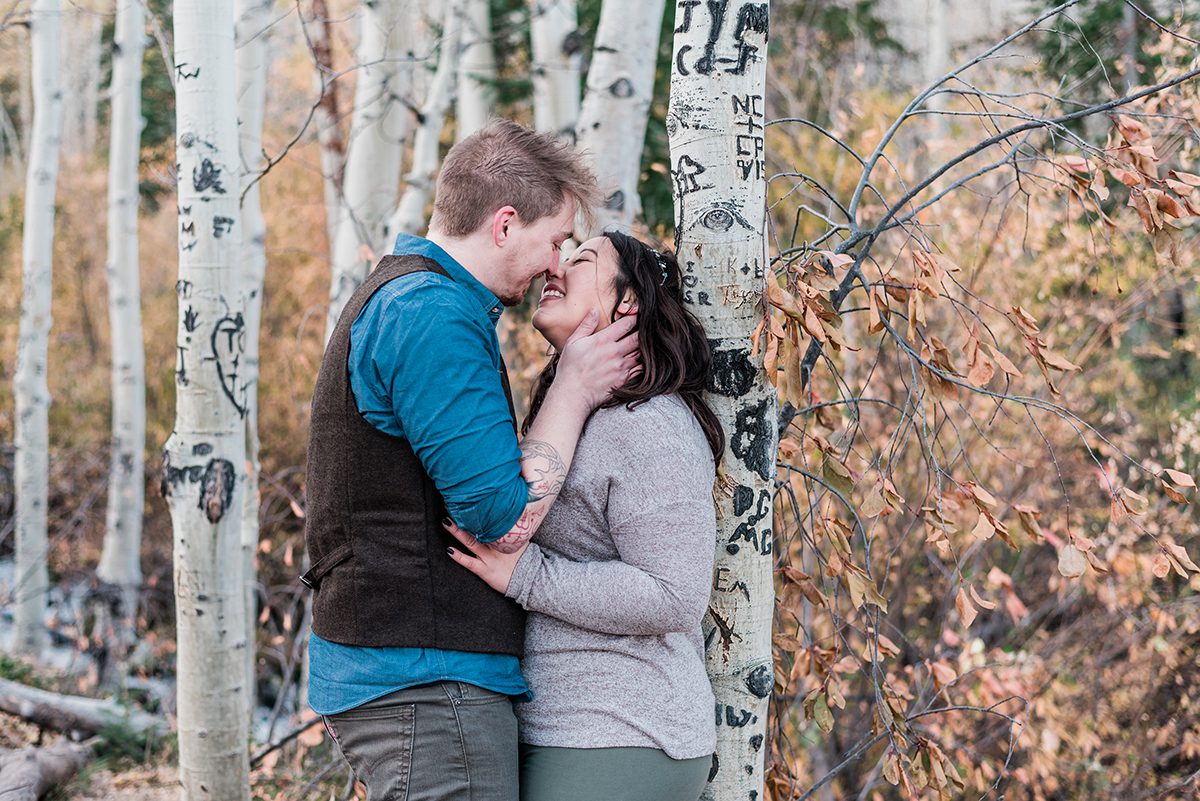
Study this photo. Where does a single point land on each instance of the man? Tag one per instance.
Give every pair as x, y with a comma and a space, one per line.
413, 660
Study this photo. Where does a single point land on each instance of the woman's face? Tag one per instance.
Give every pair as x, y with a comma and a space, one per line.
574, 287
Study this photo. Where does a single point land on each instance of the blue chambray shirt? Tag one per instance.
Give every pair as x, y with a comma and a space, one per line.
424, 363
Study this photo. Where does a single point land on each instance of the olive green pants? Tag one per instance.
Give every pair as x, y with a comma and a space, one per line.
609, 774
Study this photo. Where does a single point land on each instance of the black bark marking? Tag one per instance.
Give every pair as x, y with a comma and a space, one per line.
686, 6
222, 226
732, 373
184, 74
716, 11
181, 376
749, 769
753, 439
703, 299
615, 201
736, 718
716, 766
572, 42
207, 176
680, 67
621, 88
753, 18
748, 531
202, 449
756, 742
189, 319
722, 216
216, 488
183, 289
743, 497
227, 348
685, 174
760, 681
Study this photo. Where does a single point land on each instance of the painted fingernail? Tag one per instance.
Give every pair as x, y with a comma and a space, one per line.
450, 551
447, 522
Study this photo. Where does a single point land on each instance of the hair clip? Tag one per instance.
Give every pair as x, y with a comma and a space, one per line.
662, 266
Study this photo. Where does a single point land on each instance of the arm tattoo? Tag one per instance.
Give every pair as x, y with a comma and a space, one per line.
544, 473
543, 469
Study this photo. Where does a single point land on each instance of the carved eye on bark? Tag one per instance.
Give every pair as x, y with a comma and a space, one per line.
721, 218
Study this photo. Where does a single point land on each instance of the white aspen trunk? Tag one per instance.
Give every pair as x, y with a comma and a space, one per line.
620, 86
251, 34
409, 216
375, 149
203, 459
120, 559
476, 71
326, 117
556, 65
715, 125
30, 391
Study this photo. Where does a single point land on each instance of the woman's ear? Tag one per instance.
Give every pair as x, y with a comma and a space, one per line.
627, 306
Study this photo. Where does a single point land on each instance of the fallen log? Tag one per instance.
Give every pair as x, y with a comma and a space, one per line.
75, 713
30, 773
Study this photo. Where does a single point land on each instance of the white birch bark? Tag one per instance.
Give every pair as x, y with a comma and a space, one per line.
715, 125
557, 55
30, 390
251, 34
409, 216
327, 116
476, 70
120, 558
376, 146
620, 86
203, 458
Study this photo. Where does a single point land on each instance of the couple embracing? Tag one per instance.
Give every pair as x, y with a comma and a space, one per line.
493, 612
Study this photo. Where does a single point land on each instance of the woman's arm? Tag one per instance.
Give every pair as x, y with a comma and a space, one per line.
662, 520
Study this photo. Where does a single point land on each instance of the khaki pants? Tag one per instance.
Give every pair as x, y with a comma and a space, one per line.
447, 741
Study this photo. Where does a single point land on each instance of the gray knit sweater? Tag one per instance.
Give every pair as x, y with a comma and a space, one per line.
616, 584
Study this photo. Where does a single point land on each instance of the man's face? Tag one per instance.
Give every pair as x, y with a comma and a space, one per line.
532, 249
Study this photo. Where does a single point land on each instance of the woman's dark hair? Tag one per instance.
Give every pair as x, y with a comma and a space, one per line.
675, 353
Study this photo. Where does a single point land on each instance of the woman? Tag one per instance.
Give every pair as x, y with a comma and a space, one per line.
619, 574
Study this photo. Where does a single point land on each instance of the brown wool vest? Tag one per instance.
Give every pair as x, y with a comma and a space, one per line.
380, 573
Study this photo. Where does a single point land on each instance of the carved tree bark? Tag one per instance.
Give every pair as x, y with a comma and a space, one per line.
620, 86
203, 458
715, 126
409, 216
554, 31
476, 70
252, 37
120, 559
30, 391
377, 134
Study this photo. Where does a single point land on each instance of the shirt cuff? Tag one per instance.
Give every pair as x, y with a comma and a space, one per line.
521, 583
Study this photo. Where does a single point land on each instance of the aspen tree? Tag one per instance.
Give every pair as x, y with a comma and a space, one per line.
120, 558
326, 114
715, 126
30, 390
409, 216
251, 35
555, 40
620, 86
202, 465
476, 70
378, 130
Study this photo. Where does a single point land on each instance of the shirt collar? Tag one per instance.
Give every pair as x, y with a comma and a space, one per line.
410, 245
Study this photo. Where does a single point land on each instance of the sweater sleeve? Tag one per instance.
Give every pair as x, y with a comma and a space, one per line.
662, 520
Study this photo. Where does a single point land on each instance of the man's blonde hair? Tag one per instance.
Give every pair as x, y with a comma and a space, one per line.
506, 164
